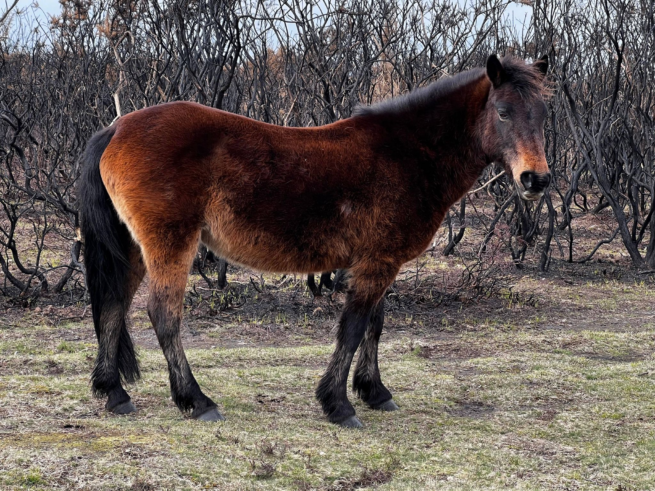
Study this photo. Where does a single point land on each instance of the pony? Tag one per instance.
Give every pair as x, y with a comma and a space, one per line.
365, 194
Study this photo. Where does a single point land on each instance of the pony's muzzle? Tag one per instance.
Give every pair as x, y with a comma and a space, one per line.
533, 185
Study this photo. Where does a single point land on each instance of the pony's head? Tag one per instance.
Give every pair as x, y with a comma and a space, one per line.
513, 122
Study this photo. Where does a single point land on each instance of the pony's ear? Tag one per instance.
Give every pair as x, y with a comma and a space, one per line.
495, 71
542, 64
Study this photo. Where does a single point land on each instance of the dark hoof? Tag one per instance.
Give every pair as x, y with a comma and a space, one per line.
387, 406
124, 408
211, 416
351, 422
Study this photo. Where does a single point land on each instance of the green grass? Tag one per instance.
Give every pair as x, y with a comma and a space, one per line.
530, 410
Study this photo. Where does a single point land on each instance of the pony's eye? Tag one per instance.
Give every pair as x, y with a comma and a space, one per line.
503, 116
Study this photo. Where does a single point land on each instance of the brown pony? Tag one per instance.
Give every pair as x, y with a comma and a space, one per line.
365, 194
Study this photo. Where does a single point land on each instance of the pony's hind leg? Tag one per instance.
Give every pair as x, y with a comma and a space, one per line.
326, 281
169, 270
367, 286
116, 357
366, 380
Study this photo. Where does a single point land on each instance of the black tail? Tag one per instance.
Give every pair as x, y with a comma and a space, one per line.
107, 245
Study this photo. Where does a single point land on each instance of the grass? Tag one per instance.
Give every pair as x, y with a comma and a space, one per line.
554, 389
520, 408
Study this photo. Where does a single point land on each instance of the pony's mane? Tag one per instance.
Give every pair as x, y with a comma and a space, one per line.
526, 79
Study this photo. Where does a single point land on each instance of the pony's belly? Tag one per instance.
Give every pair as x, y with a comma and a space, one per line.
265, 253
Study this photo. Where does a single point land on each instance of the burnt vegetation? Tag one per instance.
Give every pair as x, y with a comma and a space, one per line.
295, 63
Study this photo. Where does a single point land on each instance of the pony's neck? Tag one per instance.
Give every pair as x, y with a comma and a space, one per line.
437, 130
458, 144
447, 124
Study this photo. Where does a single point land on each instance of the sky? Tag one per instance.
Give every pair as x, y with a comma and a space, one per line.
52, 7
42, 9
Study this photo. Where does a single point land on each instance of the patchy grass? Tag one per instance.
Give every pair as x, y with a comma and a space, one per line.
549, 388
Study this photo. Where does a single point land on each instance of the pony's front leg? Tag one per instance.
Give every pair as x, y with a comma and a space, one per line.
366, 380
367, 287
167, 282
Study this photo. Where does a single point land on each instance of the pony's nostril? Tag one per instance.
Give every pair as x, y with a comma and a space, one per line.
527, 179
546, 180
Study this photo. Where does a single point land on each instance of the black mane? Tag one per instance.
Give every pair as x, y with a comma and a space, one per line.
524, 78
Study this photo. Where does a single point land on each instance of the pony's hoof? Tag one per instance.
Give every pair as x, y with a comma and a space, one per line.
351, 422
211, 416
124, 408
387, 406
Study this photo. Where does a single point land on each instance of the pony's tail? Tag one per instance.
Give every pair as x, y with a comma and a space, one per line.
107, 245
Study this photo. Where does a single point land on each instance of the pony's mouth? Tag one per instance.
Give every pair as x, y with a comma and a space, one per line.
527, 194
530, 195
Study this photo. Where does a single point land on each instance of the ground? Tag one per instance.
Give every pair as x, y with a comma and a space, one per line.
543, 381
